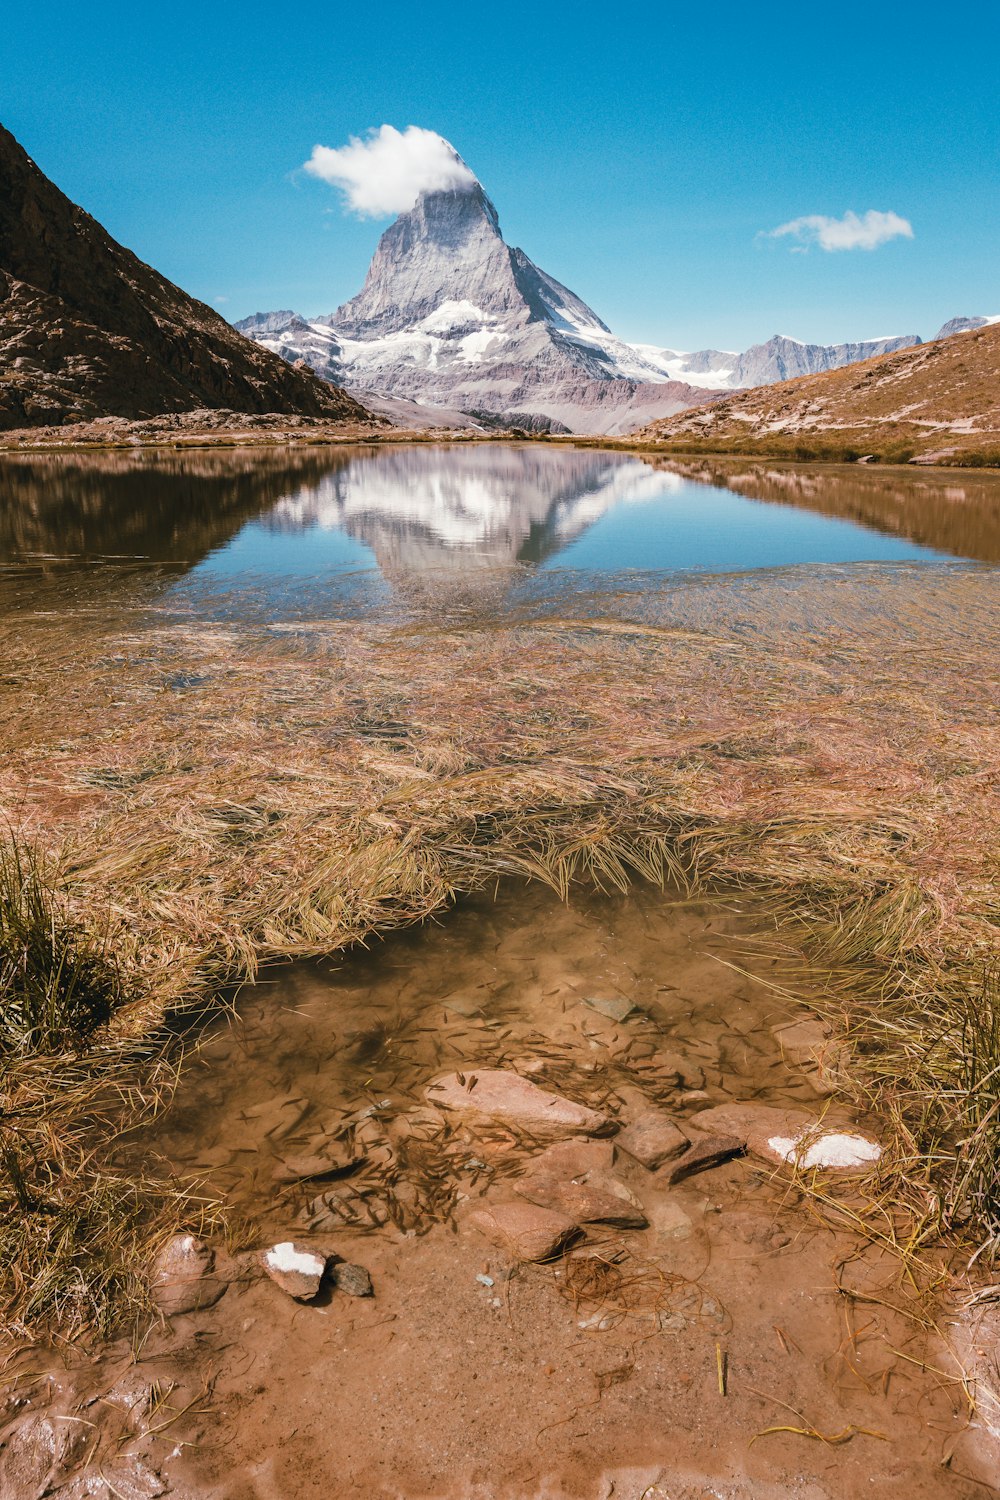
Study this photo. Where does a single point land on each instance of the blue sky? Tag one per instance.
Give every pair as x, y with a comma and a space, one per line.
634, 153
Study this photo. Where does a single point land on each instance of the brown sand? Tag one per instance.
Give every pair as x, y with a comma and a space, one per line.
560, 1380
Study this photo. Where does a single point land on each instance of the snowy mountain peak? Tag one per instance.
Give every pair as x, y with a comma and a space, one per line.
446, 249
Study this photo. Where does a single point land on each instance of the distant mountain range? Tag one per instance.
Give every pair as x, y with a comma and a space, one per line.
452, 316
88, 330
933, 403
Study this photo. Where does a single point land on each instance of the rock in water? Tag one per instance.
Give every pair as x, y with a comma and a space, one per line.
705, 1151
496, 1097
295, 1268
88, 330
182, 1276
526, 1231
575, 1178
652, 1139
791, 1136
615, 1007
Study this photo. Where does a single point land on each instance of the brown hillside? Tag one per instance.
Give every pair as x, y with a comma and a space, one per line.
88, 330
937, 402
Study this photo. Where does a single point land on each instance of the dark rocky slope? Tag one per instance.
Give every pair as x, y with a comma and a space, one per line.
87, 329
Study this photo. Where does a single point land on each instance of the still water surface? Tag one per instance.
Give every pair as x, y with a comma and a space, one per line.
436, 515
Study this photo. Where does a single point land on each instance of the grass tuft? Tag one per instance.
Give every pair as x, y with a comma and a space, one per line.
57, 987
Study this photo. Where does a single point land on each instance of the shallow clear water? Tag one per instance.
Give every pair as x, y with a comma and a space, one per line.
348, 530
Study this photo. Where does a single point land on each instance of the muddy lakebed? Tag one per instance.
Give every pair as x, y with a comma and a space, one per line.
714, 1335
565, 1166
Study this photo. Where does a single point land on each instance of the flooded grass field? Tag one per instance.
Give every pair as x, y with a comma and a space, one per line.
617, 770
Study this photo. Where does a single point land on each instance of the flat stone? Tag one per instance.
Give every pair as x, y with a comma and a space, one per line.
615, 1007
652, 1139
295, 1268
497, 1097
39, 1453
754, 1125
316, 1167
182, 1279
463, 1005
670, 1221
354, 1280
128, 1479
790, 1136
336, 1209
703, 1153
526, 1231
574, 1178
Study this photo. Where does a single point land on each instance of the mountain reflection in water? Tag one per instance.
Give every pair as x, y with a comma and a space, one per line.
427, 512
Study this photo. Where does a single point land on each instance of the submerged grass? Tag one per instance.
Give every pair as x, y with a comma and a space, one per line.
832, 745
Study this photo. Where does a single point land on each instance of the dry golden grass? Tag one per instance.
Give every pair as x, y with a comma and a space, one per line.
211, 796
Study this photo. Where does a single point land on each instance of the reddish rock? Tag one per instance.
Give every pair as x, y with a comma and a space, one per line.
575, 1178
790, 1136
525, 1230
297, 1269
652, 1139
754, 1125
183, 1279
496, 1097
704, 1152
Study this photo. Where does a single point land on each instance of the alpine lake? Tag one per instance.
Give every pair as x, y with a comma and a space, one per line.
413, 787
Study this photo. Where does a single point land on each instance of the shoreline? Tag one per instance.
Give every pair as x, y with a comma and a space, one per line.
179, 432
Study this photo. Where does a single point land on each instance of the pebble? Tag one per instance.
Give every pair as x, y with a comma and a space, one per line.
353, 1280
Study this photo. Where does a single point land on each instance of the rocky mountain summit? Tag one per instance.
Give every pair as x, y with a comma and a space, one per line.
452, 315
88, 330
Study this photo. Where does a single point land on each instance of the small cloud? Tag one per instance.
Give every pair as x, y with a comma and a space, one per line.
387, 171
219, 300
853, 232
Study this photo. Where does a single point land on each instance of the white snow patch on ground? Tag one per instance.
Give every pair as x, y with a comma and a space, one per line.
671, 364
452, 314
833, 1150
285, 1257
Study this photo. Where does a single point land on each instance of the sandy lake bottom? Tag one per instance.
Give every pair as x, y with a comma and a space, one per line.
469, 1374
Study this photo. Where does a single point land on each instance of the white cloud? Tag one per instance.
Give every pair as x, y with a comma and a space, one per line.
852, 232
385, 173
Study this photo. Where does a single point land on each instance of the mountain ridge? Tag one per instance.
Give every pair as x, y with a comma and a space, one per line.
87, 329
936, 402
452, 316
